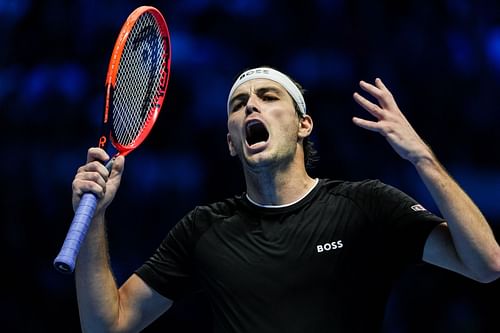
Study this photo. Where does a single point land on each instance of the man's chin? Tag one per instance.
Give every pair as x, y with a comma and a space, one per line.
256, 161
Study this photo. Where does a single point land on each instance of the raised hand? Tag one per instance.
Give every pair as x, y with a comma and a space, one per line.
390, 122
94, 177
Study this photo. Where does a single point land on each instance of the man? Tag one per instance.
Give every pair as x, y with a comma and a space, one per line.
293, 253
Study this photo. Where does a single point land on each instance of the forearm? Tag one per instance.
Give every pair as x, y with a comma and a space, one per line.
474, 251
472, 237
97, 292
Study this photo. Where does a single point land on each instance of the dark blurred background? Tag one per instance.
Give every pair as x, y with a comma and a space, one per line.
441, 60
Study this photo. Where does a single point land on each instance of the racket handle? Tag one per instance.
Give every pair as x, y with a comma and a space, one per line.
66, 259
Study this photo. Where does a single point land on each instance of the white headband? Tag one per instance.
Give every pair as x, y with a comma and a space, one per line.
274, 75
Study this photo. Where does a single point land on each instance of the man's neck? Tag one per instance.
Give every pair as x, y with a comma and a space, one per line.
280, 187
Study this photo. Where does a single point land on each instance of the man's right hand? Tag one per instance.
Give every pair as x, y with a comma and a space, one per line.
94, 177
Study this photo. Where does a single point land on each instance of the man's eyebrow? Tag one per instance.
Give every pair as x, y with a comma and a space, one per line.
263, 90
259, 92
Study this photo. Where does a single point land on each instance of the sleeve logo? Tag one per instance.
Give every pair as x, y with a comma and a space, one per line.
418, 208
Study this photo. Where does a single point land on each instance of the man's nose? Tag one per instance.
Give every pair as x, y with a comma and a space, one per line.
252, 105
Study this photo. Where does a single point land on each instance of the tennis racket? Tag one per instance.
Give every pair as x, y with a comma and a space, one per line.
136, 83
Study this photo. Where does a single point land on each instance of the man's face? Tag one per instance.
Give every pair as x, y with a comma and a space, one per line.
263, 125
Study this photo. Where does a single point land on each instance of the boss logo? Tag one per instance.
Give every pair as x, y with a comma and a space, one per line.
255, 71
330, 246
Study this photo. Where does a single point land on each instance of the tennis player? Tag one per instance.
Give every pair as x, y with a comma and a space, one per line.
292, 253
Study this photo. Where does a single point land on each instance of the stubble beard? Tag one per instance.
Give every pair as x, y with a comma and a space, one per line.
268, 162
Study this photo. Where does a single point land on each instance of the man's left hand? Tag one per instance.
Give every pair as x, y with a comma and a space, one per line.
390, 122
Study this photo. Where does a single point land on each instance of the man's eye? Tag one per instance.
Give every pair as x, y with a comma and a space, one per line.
237, 106
269, 98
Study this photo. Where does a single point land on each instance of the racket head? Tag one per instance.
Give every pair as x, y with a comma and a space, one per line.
137, 79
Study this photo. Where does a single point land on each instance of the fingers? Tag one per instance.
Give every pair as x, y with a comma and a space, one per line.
376, 90
384, 111
372, 108
97, 154
380, 92
92, 176
366, 124
380, 84
118, 166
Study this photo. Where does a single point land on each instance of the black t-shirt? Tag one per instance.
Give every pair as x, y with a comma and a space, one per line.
323, 264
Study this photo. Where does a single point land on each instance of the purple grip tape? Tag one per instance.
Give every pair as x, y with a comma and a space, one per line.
66, 259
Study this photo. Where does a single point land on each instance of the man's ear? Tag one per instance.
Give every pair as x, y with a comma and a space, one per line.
305, 126
230, 145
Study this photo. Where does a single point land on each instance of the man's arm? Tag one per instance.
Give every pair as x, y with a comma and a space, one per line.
465, 243
102, 306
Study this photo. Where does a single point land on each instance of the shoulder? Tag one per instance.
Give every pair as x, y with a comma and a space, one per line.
367, 194
353, 188
219, 209
203, 216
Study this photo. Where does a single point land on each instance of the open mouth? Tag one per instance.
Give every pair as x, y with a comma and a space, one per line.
256, 132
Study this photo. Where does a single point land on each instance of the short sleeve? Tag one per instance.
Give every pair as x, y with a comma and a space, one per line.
169, 270
404, 223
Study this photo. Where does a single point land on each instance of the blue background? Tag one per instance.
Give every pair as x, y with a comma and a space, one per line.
441, 60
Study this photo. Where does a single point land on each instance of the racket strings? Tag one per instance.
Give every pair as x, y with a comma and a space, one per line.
138, 80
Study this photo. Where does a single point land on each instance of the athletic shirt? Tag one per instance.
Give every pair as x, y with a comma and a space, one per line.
323, 264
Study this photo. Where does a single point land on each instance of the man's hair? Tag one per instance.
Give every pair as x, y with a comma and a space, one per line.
310, 153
